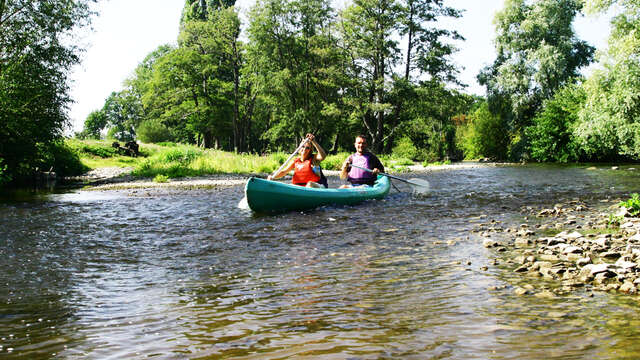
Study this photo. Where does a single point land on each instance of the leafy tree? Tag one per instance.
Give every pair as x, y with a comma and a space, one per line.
122, 112
96, 121
484, 136
537, 53
551, 134
609, 123
372, 32
296, 67
36, 55
426, 48
153, 131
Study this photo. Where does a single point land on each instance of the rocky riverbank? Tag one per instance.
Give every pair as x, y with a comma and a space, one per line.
572, 246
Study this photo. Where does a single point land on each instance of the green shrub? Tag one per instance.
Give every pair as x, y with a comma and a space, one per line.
551, 135
334, 162
632, 205
152, 131
405, 149
161, 178
486, 135
5, 177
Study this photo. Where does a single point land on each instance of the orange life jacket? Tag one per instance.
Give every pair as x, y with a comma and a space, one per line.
303, 172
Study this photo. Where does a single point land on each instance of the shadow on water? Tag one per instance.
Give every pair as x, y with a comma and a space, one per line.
172, 273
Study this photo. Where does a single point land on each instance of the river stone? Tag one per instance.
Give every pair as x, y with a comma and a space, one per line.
633, 249
545, 294
569, 235
574, 257
541, 265
594, 269
583, 261
635, 238
549, 257
523, 268
553, 241
601, 241
611, 287
611, 255
572, 250
489, 243
626, 225
628, 287
522, 242
521, 291
624, 264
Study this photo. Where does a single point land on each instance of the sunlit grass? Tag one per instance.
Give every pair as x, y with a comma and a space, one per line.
178, 160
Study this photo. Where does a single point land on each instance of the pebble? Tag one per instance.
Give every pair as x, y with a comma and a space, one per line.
607, 262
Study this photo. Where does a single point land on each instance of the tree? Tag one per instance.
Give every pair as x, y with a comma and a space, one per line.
95, 122
537, 53
609, 124
371, 32
35, 58
551, 134
296, 67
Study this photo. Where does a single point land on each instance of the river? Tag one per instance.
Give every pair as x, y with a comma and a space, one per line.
187, 274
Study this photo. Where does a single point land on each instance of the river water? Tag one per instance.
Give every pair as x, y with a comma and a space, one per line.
187, 274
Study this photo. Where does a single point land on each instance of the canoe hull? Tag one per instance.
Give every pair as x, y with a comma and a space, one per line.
265, 196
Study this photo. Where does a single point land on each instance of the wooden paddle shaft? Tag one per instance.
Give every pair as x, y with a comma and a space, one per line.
303, 143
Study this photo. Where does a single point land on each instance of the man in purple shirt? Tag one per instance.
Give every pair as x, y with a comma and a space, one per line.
362, 158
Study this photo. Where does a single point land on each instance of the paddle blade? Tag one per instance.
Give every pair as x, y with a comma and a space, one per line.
419, 186
243, 204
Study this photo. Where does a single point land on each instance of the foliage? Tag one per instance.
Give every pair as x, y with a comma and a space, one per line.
95, 122
484, 136
161, 178
36, 54
405, 148
632, 204
5, 177
551, 133
609, 124
537, 54
153, 131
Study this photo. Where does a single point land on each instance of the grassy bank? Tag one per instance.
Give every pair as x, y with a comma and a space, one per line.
178, 160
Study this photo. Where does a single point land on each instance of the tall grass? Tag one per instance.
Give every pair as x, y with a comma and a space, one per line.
178, 160
185, 160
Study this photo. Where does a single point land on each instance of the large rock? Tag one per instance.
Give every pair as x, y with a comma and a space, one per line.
569, 235
628, 287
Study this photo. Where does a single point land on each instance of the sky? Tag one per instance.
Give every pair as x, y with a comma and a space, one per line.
126, 31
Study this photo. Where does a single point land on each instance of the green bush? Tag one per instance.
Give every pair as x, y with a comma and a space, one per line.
405, 149
5, 177
632, 205
486, 135
551, 136
152, 131
161, 178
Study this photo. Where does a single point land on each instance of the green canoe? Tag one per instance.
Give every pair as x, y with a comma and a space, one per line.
265, 196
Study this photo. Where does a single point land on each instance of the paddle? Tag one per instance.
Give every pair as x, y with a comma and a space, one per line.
303, 143
418, 185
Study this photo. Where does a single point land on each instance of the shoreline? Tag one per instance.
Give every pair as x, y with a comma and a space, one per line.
114, 178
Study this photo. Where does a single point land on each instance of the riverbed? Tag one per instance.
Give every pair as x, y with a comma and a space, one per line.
186, 273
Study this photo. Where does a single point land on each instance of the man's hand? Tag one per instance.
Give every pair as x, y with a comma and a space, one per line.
375, 171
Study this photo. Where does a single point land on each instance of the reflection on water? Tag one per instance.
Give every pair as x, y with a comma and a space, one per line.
187, 274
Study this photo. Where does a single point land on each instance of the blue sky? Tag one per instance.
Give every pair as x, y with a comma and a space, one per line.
127, 30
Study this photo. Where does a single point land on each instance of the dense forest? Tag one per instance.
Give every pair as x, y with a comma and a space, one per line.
382, 68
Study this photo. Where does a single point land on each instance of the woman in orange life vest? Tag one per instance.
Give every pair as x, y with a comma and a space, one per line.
306, 167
